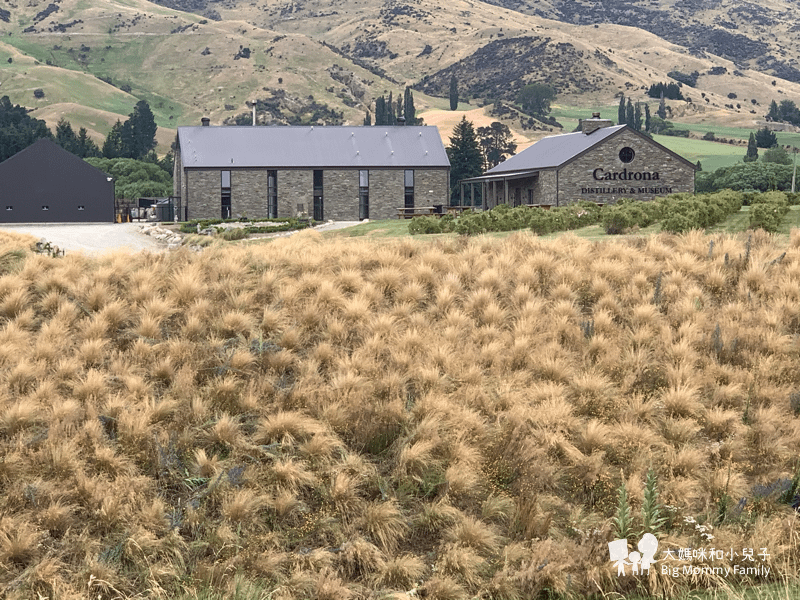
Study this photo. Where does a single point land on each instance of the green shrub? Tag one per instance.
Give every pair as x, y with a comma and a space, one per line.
232, 234
768, 210
617, 219
679, 223
422, 225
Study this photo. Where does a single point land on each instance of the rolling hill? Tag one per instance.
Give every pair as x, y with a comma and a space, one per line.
327, 60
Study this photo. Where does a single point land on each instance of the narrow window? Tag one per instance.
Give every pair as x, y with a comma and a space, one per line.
272, 194
409, 185
318, 206
225, 194
363, 195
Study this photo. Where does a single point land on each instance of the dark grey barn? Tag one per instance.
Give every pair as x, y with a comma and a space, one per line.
46, 184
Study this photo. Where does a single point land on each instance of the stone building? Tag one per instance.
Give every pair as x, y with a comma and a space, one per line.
601, 163
338, 173
46, 184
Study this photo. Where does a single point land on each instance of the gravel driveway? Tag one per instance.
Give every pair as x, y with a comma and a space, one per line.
96, 238
91, 238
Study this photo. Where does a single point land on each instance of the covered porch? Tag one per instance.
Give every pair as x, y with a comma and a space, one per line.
516, 188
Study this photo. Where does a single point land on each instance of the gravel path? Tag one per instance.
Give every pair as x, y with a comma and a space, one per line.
91, 238
97, 238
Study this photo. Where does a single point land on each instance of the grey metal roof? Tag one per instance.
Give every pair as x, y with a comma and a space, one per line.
312, 146
554, 151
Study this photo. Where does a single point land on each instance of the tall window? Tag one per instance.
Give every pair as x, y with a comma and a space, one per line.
318, 208
225, 185
272, 194
408, 178
363, 195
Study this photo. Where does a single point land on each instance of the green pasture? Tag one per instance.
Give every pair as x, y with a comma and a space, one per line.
712, 155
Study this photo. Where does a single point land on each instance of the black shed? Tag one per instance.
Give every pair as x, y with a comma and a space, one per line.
46, 184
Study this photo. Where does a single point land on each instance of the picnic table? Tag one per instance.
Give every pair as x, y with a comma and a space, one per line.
417, 211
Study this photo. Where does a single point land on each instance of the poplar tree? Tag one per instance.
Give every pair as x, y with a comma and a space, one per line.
453, 93
752, 149
390, 110
629, 115
380, 111
621, 117
646, 117
408, 106
637, 117
662, 108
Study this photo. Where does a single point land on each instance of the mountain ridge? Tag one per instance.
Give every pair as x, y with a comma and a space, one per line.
342, 55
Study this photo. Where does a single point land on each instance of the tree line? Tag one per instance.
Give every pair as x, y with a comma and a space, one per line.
472, 151
786, 111
135, 138
389, 111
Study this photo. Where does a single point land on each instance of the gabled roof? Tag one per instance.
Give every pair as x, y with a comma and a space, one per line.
47, 153
554, 151
313, 146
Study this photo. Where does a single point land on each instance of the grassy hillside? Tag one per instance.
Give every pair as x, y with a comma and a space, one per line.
186, 65
344, 418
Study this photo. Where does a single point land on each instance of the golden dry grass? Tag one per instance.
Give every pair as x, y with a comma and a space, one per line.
345, 419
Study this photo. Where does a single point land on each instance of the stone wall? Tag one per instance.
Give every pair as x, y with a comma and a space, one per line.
249, 193
202, 191
340, 194
431, 187
578, 179
386, 193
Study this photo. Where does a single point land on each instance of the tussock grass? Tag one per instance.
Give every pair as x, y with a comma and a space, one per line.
349, 419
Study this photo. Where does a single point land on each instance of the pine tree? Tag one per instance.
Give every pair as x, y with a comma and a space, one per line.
86, 146
752, 149
773, 114
621, 117
464, 152
112, 147
453, 93
497, 143
66, 138
630, 119
17, 129
142, 130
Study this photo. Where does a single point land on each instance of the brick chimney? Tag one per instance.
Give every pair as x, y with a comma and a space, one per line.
205, 121
595, 123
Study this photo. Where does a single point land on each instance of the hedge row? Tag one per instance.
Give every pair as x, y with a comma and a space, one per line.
506, 218
676, 213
